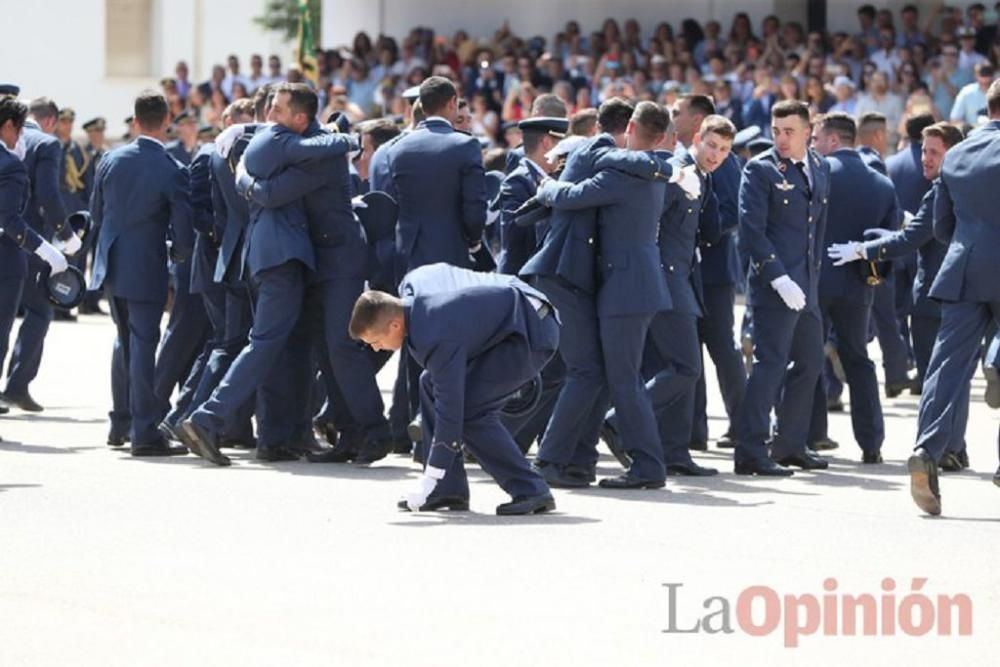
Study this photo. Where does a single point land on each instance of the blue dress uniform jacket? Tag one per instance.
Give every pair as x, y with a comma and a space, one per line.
517, 244
782, 225
871, 157
141, 196
43, 159
860, 198
13, 201
965, 217
439, 184
720, 263
568, 251
208, 234
231, 211
181, 154
906, 170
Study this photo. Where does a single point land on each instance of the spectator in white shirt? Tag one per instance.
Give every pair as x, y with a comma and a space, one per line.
886, 57
971, 100
879, 98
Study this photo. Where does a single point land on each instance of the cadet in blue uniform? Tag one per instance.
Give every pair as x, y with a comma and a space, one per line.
94, 149
47, 216
783, 204
860, 199
277, 256
674, 332
965, 217
917, 235
18, 238
141, 197
564, 269
185, 146
478, 338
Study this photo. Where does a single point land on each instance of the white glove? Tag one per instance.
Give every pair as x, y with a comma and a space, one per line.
425, 485
879, 232
844, 253
241, 169
70, 246
55, 259
790, 292
907, 217
358, 202
224, 142
687, 178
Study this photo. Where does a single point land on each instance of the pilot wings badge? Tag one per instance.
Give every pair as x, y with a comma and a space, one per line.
785, 186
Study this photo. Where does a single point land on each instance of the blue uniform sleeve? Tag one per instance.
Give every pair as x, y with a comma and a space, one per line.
635, 163
446, 365
201, 194
710, 222
602, 189
287, 186
754, 207
220, 211
297, 149
48, 169
11, 219
513, 193
473, 195
181, 225
944, 214
914, 235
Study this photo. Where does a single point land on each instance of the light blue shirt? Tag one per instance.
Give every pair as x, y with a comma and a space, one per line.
968, 103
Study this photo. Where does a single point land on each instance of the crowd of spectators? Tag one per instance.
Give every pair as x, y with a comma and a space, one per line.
899, 65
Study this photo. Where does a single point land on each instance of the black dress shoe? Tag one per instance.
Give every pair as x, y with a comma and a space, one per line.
762, 467
202, 443
527, 505
373, 450
698, 446
823, 445
415, 429
167, 431
609, 434
949, 463
161, 448
116, 439
963, 457
689, 469
587, 472
805, 460
452, 503
327, 430
341, 453
871, 457
727, 441
558, 476
834, 405
627, 481
276, 454
924, 482
23, 401
402, 446
992, 394
917, 389
894, 389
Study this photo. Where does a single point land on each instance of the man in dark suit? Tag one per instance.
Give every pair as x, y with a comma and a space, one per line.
18, 238
564, 268
917, 235
860, 199
341, 270
278, 256
965, 217
783, 205
673, 333
141, 198
632, 286
478, 338
47, 216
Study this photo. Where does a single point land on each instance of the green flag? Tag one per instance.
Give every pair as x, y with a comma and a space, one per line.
307, 44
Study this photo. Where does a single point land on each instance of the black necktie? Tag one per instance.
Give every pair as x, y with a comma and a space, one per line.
801, 166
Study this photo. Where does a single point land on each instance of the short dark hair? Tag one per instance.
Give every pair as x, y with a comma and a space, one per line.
867, 10
700, 104
495, 159
260, 101
915, 126
372, 312
302, 98
435, 93
14, 110
946, 132
43, 108
614, 115
379, 130
151, 110
910, 8
548, 104
871, 121
787, 108
651, 120
842, 125
583, 122
993, 98
984, 69
719, 125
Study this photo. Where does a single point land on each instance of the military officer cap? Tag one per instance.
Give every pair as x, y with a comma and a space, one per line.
745, 136
65, 289
95, 124
557, 127
67, 113
493, 181
10, 89
185, 117
412, 94
206, 130
759, 145
378, 216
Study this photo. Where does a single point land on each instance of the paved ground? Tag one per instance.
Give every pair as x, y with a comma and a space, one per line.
106, 560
